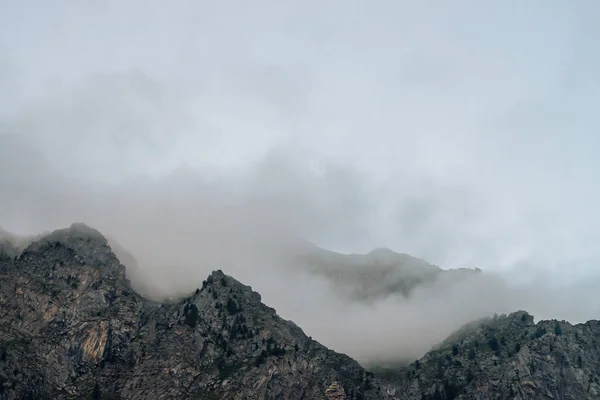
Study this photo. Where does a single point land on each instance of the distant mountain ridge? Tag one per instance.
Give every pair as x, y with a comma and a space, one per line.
380, 273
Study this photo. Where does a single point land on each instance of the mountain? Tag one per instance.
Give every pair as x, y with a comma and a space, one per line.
507, 357
72, 327
372, 276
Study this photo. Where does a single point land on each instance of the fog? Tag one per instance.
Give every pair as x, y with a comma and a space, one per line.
203, 136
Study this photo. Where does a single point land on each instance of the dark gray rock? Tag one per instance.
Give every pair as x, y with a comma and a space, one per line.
507, 357
71, 327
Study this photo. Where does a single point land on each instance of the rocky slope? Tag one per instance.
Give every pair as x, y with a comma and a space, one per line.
72, 327
507, 357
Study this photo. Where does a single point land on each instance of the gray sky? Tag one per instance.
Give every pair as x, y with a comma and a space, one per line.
462, 132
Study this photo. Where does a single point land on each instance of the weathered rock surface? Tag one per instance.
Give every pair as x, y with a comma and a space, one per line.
507, 357
72, 327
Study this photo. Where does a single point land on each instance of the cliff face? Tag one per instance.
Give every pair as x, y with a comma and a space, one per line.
507, 357
71, 327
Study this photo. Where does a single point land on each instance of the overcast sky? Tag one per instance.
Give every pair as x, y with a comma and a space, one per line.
463, 132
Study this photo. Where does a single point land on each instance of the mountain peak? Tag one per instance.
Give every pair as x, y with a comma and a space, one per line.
78, 245
77, 232
70, 328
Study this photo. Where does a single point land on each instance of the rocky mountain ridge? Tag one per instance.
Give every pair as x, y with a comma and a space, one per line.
507, 357
356, 277
72, 327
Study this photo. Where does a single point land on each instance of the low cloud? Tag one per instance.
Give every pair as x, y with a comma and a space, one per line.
178, 230
107, 156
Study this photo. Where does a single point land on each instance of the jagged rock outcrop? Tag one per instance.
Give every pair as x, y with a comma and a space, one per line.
507, 357
72, 327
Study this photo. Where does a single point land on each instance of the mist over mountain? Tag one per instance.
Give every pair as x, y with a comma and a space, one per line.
71, 326
382, 174
259, 223
347, 300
